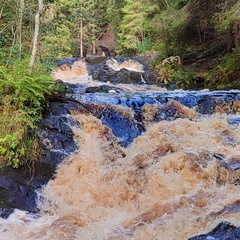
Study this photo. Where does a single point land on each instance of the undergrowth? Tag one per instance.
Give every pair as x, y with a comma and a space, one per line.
22, 99
225, 75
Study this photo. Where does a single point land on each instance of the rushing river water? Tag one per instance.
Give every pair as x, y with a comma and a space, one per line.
176, 180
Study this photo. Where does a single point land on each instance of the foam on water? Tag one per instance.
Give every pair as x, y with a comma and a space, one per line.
170, 183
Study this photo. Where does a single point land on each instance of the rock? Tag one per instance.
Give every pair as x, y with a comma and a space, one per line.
17, 187
130, 64
95, 60
168, 111
172, 60
103, 88
123, 70
93, 89
124, 128
56, 137
223, 231
150, 77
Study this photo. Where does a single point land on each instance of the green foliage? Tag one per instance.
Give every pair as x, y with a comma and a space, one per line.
49, 64
171, 24
230, 13
61, 28
226, 74
178, 76
22, 96
58, 42
134, 30
146, 45
8, 150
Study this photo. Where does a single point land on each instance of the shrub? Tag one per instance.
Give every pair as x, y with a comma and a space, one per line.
226, 74
22, 98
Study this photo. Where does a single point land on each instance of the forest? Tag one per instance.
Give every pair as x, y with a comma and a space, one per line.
205, 34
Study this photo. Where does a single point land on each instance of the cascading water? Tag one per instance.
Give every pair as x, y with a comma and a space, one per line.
163, 171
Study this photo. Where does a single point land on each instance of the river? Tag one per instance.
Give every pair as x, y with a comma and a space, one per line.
176, 180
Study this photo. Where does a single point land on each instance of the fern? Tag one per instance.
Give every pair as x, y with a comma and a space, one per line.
22, 95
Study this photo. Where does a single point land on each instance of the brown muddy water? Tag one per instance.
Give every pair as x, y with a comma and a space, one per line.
175, 181
169, 184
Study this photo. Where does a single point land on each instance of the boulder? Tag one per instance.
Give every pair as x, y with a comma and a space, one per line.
223, 231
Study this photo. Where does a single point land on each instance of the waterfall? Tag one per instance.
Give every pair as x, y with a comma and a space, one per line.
148, 164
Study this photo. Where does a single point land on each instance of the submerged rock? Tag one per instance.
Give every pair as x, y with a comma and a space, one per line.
223, 231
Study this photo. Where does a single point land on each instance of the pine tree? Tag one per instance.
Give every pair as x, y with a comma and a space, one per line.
132, 31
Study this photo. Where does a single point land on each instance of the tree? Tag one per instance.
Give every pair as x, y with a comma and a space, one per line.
36, 33
132, 31
74, 27
228, 20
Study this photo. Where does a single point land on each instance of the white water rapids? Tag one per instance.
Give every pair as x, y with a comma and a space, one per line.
166, 185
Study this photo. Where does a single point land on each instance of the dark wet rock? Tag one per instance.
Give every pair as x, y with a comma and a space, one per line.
56, 109
67, 61
235, 120
56, 137
93, 89
17, 187
233, 164
205, 105
231, 208
106, 88
95, 60
75, 88
17, 195
150, 77
103, 88
126, 129
173, 110
105, 73
189, 101
124, 76
218, 102
223, 231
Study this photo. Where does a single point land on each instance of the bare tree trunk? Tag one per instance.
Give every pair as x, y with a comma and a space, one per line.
36, 33
166, 2
81, 38
1, 11
21, 9
94, 41
199, 31
236, 30
14, 32
229, 40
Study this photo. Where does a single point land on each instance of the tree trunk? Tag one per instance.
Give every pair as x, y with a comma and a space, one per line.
81, 38
21, 9
36, 33
1, 11
236, 30
229, 40
94, 41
